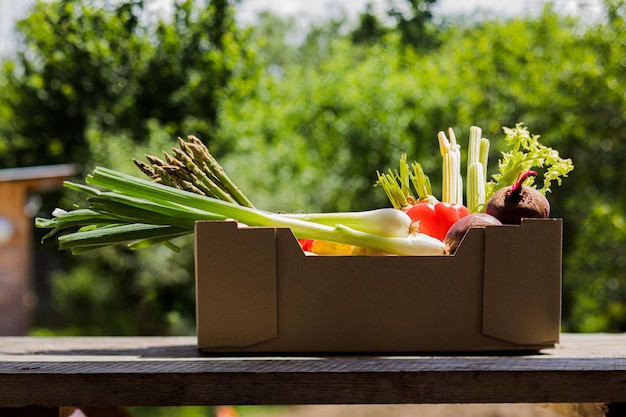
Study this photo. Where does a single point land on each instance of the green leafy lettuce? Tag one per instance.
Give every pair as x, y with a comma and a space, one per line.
526, 152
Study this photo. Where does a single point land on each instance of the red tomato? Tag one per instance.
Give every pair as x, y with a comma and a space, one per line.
436, 219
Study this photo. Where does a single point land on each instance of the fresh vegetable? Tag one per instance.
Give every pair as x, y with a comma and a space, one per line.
477, 158
436, 219
458, 230
428, 215
142, 201
190, 185
397, 185
323, 247
361, 251
452, 181
191, 167
306, 244
526, 152
384, 222
511, 204
415, 243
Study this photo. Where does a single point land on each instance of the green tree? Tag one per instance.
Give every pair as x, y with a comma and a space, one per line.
370, 29
413, 20
88, 61
416, 26
595, 282
77, 60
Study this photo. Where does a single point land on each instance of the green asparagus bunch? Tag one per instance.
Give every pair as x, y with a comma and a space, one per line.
191, 167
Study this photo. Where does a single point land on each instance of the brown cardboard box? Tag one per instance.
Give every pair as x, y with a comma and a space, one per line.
258, 292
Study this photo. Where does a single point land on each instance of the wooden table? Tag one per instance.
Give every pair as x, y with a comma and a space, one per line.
164, 371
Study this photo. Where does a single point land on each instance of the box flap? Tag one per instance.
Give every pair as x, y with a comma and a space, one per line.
518, 304
238, 297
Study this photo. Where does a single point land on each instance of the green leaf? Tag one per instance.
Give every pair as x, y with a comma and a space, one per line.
526, 152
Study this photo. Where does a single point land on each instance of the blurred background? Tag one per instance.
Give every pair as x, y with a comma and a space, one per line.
302, 102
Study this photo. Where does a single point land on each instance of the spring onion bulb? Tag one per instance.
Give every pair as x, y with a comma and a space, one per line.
417, 244
388, 222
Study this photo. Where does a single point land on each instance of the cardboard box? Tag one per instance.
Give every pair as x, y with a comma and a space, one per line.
258, 292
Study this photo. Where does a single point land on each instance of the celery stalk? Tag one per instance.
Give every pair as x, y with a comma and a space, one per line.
478, 152
452, 181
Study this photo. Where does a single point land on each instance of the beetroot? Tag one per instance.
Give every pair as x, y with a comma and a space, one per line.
512, 204
460, 227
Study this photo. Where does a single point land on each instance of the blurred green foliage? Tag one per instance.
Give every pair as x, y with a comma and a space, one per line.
302, 121
107, 65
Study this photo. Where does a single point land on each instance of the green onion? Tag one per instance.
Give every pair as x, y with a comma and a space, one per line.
139, 213
388, 222
397, 185
421, 183
100, 237
393, 191
413, 245
133, 186
67, 219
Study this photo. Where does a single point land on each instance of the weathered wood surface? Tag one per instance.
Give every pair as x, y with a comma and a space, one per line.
112, 371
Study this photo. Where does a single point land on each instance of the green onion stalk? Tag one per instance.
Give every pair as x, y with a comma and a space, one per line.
139, 213
397, 185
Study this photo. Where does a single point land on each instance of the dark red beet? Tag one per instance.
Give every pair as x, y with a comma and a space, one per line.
512, 204
458, 230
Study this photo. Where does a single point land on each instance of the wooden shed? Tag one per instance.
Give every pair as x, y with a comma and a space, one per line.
17, 299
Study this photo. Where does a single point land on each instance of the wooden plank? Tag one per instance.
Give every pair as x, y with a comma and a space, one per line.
43, 173
101, 372
29, 412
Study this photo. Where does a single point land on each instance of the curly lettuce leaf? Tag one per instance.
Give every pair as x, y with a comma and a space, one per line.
526, 152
